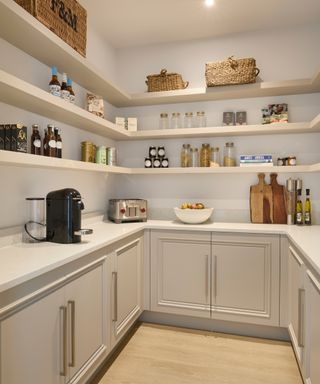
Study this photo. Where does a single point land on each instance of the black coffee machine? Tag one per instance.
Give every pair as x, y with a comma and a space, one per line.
64, 216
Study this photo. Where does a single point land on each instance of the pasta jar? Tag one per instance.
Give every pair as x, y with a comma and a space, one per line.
194, 157
164, 121
229, 158
188, 120
215, 157
205, 155
185, 156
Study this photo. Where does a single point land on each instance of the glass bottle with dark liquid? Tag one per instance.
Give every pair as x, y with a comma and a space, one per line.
72, 97
35, 140
45, 142
65, 93
58, 142
51, 140
54, 85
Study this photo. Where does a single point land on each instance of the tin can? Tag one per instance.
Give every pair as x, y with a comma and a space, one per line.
101, 155
111, 156
87, 151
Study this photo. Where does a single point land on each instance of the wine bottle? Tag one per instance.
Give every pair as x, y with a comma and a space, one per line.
299, 209
307, 208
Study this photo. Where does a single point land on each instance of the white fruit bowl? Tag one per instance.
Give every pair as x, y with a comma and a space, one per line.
193, 216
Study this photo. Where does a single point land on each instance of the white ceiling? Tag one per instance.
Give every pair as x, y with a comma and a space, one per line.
125, 23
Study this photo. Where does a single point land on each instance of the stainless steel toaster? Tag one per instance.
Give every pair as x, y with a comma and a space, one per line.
126, 210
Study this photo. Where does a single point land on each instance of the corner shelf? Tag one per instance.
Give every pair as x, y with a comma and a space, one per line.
17, 159
22, 30
8, 158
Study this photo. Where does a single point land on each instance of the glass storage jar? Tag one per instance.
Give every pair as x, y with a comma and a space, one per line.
215, 157
205, 155
201, 120
175, 120
229, 158
185, 156
164, 121
194, 157
188, 120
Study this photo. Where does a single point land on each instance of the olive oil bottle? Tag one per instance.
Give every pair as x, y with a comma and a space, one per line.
307, 208
299, 209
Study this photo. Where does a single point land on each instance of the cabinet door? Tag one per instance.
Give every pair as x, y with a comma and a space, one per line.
127, 287
313, 321
296, 311
85, 302
180, 273
32, 342
245, 283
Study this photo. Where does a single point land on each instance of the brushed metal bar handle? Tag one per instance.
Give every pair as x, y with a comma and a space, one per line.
72, 309
63, 341
207, 280
301, 304
215, 283
115, 296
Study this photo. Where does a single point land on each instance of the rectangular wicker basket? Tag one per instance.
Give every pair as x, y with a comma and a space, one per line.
66, 18
231, 71
165, 82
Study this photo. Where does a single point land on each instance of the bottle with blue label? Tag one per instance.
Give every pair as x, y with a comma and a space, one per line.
54, 85
72, 97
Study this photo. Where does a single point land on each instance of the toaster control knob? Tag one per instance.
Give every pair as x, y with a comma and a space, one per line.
143, 210
123, 211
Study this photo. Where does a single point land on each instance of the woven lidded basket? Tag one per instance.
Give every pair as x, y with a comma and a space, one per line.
66, 18
231, 71
165, 82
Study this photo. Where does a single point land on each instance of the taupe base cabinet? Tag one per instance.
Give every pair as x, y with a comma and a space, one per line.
223, 276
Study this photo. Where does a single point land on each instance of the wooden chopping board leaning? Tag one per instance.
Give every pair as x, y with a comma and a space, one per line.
261, 201
279, 204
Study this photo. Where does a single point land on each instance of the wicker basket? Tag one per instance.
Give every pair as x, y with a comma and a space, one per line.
165, 82
66, 18
231, 71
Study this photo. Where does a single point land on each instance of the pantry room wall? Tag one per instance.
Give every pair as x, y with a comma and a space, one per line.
283, 54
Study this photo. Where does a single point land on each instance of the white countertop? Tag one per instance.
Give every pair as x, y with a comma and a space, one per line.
21, 262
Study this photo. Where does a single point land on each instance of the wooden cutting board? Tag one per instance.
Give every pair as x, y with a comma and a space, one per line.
261, 204
279, 206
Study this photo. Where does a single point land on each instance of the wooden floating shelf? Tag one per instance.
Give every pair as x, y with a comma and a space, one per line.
8, 158
31, 36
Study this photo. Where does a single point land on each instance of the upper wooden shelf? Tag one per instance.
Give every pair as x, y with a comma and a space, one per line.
25, 32
8, 158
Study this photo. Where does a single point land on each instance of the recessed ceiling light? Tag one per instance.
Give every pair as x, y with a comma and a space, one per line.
209, 3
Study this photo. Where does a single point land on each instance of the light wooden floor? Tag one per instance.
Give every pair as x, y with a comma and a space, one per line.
165, 355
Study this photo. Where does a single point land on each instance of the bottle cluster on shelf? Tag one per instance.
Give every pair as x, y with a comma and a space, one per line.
13, 137
50, 145
91, 153
157, 158
63, 90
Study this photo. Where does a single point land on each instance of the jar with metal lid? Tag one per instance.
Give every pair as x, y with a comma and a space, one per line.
152, 152
161, 151
201, 120
156, 163
101, 155
164, 121
165, 162
175, 120
87, 151
194, 157
188, 120
229, 157
185, 156
147, 162
205, 155
215, 157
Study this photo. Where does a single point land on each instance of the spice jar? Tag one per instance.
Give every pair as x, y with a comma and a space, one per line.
185, 156
205, 155
188, 120
175, 120
229, 158
201, 119
194, 157
164, 121
215, 157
